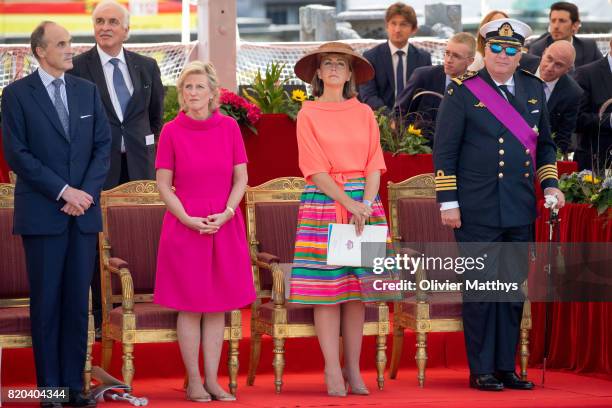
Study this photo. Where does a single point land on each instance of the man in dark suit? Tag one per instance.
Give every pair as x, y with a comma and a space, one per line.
132, 93
492, 139
394, 60
595, 132
421, 111
57, 140
562, 92
564, 23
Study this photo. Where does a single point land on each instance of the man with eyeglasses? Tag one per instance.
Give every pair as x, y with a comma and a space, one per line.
132, 92
492, 139
421, 110
133, 96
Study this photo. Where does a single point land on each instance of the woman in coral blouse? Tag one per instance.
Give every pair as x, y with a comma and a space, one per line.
341, 159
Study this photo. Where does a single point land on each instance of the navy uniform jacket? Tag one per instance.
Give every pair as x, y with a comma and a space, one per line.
586, 49
480, 164
380, 91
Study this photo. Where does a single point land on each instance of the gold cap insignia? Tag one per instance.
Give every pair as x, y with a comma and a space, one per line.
480, 105
450, 91
533, 101
506, 30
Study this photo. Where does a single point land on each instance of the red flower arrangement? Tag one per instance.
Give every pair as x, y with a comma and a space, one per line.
239, 108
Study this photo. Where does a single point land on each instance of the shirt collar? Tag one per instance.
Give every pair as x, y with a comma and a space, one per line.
509, 82
394, 49
550, 84
47, 78
610, 59
104, 57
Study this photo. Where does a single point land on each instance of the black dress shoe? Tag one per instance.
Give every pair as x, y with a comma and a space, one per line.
512, 380
80, 400
485, 382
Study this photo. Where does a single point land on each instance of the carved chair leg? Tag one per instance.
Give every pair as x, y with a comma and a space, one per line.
128, 363
232, 365
524, 352
381, 360
87, 369
398, 347
255, 354
421, 356
107, 352
279, 363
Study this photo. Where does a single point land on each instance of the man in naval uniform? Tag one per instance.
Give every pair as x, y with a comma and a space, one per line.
492, 139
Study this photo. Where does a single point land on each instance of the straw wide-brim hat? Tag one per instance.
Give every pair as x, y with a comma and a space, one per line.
306, 67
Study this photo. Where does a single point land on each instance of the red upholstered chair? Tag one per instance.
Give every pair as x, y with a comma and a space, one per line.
272, 212
15, 292
415, 218
133, 215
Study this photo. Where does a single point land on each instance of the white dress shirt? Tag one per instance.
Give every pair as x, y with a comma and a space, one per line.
47, 80
109, 69
549, 87
395, 60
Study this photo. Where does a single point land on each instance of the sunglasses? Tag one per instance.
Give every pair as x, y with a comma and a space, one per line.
497, 48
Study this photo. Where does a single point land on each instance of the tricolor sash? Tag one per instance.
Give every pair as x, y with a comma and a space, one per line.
505, 113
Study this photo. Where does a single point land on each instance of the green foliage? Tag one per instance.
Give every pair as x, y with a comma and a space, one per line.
171, 105
268, 93
396, 137
585, 188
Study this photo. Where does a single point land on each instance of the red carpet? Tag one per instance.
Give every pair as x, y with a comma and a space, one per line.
159, 377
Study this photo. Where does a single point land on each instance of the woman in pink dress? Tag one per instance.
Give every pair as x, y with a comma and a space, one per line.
203, 265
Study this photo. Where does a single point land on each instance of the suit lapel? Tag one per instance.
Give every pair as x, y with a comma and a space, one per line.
73, 107
134, 69
579, 47
41, 96
554, 96
440, 85
606, 75
485, 75
520, 95
97, 73
410, 61
387, 60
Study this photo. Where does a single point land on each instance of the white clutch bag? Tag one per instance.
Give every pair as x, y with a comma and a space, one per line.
345, 248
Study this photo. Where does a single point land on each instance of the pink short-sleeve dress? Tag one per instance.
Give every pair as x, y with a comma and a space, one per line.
202, 273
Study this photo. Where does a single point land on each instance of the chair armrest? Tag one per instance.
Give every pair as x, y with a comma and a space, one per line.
267, 258
119, 267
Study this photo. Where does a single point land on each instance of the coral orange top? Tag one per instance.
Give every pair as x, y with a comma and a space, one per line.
338, 138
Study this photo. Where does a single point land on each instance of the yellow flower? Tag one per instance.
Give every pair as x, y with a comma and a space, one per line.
589, 179
414, 131
298, 95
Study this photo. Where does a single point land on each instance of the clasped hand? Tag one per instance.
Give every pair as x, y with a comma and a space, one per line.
361, 212
208, 225
77, 201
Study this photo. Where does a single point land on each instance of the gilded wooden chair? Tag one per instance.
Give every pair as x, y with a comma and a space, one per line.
415, 218
14, 291
272, 212
132, 214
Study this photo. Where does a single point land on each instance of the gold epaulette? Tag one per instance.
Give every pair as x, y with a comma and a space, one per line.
547, 171
444, 182
531, 74
469, 74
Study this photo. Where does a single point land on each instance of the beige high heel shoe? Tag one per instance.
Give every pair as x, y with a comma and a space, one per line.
335, 393
362, 390
206, 397
223, 396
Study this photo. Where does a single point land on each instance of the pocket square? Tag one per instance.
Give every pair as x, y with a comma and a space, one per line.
535, 111
85, 116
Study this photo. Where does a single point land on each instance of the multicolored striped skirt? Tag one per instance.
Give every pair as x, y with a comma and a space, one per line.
312, 280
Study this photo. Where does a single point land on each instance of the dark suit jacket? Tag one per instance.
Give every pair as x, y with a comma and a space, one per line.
596, 81
425, 107
563, 107
483, 166
143, 117
380, 91
586, 49
529, 62
37, 149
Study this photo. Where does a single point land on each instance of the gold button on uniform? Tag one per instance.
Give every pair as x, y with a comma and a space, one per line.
527, 151
501, 175
501, 140
501, 151
527, 163
501, 163
526, 175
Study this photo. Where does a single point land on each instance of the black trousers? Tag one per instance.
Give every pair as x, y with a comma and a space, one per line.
492, 326
60, 268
